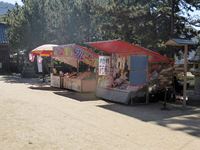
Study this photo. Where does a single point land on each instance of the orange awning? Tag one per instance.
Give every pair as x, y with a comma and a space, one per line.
44, 50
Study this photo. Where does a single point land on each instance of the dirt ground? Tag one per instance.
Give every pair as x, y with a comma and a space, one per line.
34, 116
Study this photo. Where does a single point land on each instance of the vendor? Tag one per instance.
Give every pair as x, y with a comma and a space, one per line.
178, 86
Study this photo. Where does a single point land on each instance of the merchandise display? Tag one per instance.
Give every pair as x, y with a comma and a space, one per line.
122, 67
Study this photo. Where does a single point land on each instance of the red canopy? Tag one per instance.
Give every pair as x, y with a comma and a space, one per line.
125, 48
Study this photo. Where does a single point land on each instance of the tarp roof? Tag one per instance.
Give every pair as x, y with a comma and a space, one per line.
47, 49
44, 50
180, 42
69, 53
125, 48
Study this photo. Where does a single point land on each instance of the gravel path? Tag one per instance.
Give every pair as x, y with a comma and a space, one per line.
36, 117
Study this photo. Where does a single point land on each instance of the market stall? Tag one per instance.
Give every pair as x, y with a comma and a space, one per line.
184, 43
72, 66
83, 77
125, 70
119, 71
42, 56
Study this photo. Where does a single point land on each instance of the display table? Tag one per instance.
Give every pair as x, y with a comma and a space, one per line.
79, 85
55, 81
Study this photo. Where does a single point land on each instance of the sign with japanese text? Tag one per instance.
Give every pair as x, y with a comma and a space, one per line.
104, 65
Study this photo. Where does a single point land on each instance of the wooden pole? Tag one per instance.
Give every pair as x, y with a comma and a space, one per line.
51, 65
185, 75
78, 66
147, 92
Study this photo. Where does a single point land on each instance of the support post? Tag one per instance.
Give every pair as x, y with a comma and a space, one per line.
185, 75
78, 69
51, 65
147, 94
147, 90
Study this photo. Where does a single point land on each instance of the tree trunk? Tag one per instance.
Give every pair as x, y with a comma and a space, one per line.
172, 17
17, 61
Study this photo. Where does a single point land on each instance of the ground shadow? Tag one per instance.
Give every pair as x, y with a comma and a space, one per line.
78, 96
18, 79
44, 88
177, 118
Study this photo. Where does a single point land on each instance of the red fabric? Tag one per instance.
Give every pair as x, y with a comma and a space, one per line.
50, 52
125, 48
42, 53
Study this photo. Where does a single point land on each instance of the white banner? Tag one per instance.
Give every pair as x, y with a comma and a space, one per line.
39, 64
104, 65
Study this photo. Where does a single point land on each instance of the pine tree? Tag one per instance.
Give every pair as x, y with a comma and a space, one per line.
146, 22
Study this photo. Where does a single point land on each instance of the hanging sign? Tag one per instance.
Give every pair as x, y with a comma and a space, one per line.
65, 54
85, 56
78, 53
89, 59
104, 65
62, 51
71, 53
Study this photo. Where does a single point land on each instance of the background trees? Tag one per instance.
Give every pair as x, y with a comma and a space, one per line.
146, 22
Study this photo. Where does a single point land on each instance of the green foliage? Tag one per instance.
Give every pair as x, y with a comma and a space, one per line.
145, 22
27, 25
1, 18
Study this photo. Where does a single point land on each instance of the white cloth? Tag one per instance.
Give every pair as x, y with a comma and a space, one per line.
39, 64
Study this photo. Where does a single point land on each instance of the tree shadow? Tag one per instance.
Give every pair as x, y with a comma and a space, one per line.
18, 79
81, 97
45, 88
177, 118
